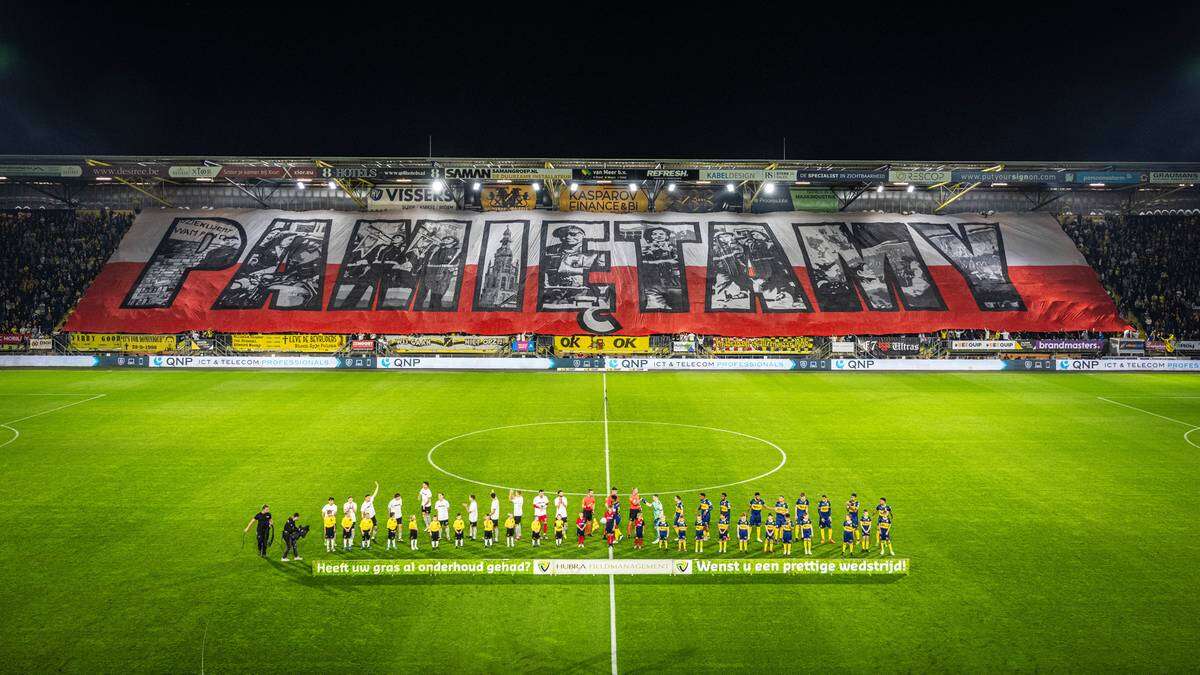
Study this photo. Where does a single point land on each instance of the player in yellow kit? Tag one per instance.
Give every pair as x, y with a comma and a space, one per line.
489, 532
393, 531
769, 534
701, 532
434, 528
510, 526
849, 531
459, 527
825, 519
368, 528
347, 532
864, 529
723, 535
330, 523
756, 508
787, 531
536, 529
743, 533
885, 534
806, 532
414, 532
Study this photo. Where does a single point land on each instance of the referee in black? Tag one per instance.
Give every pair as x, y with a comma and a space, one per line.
263, 518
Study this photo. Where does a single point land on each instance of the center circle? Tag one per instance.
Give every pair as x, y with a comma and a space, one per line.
638, 452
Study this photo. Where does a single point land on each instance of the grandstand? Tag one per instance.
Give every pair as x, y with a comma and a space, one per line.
1134, 223
717, 342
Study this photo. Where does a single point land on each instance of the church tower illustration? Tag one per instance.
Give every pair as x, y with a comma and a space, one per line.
500, 282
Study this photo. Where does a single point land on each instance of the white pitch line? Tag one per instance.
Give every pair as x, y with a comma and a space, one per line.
612, 592
1186, 435
17, 434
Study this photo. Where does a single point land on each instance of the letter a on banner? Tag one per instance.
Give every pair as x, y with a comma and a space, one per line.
746, 264
287, 265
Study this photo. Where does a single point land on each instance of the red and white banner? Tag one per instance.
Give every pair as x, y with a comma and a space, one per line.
424, 271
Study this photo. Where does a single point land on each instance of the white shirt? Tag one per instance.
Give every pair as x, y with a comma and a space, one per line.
560, 507
494, 514
518, 505
368, 508
426, 495
472, 511
350, 507
329, 510
395, 507
443, 509
539, 505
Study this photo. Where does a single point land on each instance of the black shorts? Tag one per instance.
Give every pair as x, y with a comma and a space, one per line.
426, 509
329, 532
634, 513
517, 519
434, 536
412, 535
458, 535
509, 531
587, 515
487, 534
391, 534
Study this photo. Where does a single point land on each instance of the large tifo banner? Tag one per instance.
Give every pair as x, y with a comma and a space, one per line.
429, 271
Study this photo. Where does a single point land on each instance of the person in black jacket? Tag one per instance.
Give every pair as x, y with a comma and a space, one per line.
263, 532
292, 533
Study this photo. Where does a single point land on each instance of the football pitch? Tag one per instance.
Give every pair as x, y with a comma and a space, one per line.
1049, 519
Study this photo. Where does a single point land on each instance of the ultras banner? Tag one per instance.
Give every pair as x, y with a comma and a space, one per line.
427, 271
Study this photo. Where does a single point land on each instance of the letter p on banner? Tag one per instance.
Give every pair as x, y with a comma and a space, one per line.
189, 244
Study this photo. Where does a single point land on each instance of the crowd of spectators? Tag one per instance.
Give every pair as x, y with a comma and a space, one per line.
1150, 265
47, 260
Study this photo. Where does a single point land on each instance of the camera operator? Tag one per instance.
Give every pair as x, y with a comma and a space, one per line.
293, 532
265, 526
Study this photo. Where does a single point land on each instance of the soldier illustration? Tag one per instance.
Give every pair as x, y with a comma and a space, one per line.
377, 255
439, 272
564, 271
768, 270
732, 267
662, 285
830, 284
289, 263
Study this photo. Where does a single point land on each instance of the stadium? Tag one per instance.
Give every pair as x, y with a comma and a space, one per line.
615, 393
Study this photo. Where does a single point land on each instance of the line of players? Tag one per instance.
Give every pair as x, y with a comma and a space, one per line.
770, 526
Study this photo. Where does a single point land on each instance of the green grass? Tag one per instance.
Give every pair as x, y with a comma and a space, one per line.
1047, 529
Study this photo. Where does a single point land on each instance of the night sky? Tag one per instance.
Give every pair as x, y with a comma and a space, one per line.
839, 81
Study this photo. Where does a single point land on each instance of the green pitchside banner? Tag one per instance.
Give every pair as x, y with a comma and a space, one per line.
821, 200
664, 567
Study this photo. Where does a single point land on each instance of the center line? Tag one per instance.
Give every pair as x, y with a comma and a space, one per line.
612, 593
